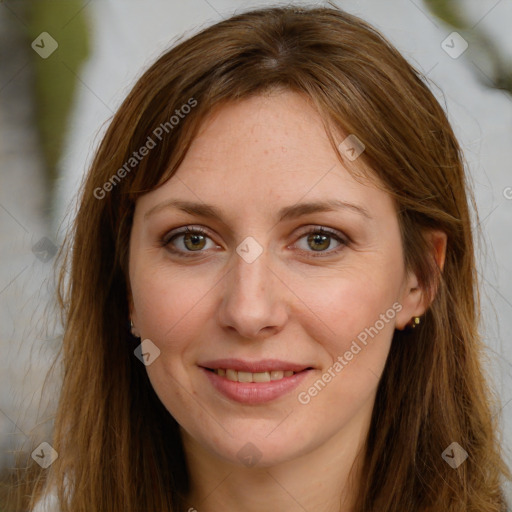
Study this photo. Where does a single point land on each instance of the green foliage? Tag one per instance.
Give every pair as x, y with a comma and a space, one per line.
55, 79
448, 11
483, 49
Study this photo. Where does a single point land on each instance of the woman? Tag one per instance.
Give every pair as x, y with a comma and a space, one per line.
272, 298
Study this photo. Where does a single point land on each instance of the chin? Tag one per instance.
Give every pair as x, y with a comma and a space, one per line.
257, 451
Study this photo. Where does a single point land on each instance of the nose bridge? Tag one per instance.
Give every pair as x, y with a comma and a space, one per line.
252, 300
250, 272
252, 268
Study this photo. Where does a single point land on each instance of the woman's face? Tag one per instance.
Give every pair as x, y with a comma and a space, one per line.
262, 283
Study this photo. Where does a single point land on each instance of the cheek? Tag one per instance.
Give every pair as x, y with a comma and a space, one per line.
168, 302
353, 321
340, 308
356, 318
171, 309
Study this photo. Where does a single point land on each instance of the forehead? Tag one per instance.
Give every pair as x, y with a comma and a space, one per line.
261, 151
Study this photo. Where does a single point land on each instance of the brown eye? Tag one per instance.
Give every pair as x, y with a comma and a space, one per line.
194, 241
319, 242
187, 241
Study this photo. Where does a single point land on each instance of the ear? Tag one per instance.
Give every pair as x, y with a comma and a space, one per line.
414, 299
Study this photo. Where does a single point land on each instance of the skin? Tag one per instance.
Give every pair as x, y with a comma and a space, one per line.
249, 160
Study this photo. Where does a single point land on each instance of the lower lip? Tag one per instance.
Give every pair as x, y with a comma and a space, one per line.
255, 392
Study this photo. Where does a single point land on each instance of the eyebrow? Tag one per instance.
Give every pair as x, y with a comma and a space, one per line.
286, 213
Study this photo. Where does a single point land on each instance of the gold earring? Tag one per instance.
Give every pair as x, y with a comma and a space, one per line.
415, 320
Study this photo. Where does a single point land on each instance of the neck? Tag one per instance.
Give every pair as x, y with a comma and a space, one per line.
324, 480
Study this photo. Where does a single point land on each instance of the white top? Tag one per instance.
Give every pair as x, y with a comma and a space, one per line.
48, 503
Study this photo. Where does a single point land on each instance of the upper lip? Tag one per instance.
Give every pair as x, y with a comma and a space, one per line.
264, 365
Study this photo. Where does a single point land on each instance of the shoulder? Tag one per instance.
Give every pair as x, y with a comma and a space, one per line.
49, 500
48, 503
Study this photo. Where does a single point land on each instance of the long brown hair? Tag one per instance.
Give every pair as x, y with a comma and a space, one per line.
118, 446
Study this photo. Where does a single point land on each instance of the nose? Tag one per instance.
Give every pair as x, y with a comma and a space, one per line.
255, 298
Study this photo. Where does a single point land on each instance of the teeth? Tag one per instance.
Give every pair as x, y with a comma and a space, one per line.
232, 375
240, 376
244, 376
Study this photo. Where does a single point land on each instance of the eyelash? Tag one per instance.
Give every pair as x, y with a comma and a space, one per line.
166, 240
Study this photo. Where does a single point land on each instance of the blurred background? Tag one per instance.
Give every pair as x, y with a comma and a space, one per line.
65, 67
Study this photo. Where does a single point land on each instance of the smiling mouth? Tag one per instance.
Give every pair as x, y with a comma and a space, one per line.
241, 376
272, 380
